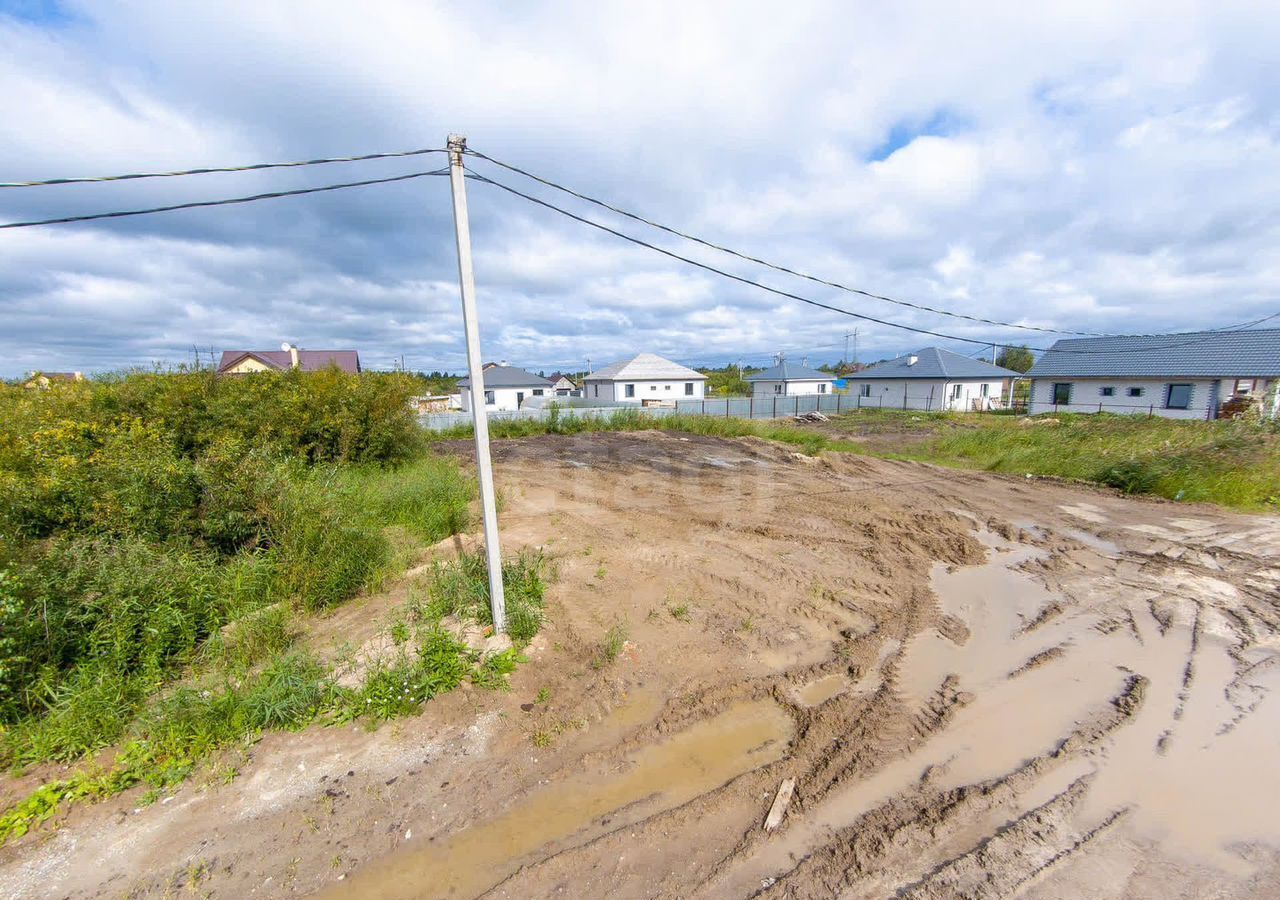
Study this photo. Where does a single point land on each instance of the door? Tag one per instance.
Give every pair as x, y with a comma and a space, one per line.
519, 399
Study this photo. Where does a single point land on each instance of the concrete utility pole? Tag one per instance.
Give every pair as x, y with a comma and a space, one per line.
479, 417
993, 354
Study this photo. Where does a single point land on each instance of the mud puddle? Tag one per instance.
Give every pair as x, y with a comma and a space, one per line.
818, 692
657, 778
1193, 768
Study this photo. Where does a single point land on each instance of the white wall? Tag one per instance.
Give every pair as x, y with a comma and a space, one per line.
926, 394
505, 399
790, 388
1086, 394
644, 390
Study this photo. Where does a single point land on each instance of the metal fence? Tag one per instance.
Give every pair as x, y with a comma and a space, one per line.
726, 408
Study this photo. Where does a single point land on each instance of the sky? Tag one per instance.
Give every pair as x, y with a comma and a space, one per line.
1083, 166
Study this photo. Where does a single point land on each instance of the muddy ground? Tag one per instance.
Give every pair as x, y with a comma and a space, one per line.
982, 686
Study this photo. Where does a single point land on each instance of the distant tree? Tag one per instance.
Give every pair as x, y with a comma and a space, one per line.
1019, 359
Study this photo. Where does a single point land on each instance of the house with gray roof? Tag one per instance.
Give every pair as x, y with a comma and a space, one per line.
645, 379
505, 388
1195, 375
931, 379
248, 362
788, 379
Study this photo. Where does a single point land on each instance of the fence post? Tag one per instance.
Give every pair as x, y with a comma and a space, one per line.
797, 404
726, 407
751, 407
1152, 411
704, 406
775, 406
837, 404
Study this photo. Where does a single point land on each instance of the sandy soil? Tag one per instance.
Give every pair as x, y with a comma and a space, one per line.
982, 686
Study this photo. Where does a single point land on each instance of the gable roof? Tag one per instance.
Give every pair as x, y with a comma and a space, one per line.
789, 371
506, 376
1207, 353
935, 363
645, 367
556, 377
308, 360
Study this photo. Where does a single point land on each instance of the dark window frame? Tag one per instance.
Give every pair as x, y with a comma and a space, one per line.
1106, 391
628, 390
1168, 395
1062, 387
688, 388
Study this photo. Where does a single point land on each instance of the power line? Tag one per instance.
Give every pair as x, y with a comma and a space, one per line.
781, 293
225, 202
209, 171
766, 263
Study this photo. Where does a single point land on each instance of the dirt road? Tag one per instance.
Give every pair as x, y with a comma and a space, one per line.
982, 686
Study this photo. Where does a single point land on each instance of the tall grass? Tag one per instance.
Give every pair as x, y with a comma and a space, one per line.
142, 515
1232, 463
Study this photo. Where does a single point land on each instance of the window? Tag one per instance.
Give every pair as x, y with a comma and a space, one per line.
1179, 396
822, 389
653, 387
519, 397
1062, 393
777, 387
955, 391
864, 390
595, 390
537, 392
688, 388
1107, 391
1244, 386
488, 398
986, 389
630, 390
1136, 391
666, 387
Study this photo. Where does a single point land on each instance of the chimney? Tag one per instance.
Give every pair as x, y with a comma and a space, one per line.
293, 356
912, 359
504, 363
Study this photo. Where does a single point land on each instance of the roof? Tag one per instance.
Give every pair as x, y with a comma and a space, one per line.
934, 363
506, 376
1205, 353
555, 377
56, 376
789, 371
308, 360
645, 367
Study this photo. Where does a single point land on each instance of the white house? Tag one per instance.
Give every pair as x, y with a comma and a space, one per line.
931, 379
562, 385
505, 388
786, 379
1179, 376
645, 379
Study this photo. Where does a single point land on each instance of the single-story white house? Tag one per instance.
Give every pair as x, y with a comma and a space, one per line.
930, 379
562, 385
786, 379
645, 379
1178, 376
505, 388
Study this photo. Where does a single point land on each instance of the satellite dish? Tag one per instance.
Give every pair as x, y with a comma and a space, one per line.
284, 346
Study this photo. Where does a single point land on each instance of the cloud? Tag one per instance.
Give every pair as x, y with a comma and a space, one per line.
1079, 165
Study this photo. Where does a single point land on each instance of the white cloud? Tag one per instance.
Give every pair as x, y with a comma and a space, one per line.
1112, 161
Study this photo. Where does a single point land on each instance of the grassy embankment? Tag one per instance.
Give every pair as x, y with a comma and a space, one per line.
1232, 463
163, 541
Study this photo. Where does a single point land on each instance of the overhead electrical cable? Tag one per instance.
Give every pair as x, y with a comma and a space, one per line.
788, 294
90, 217
775, 266
212, 170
